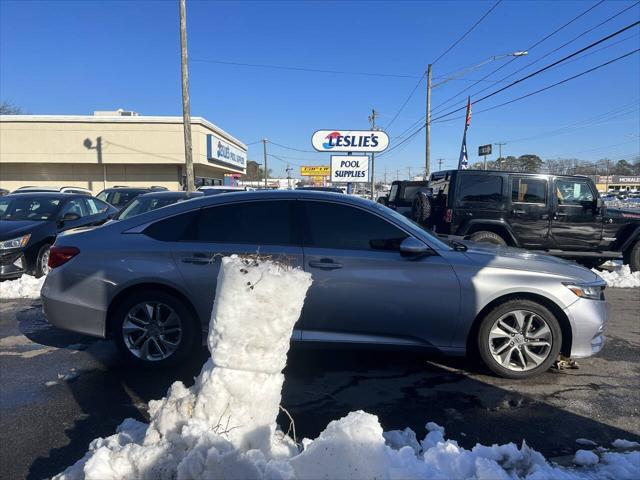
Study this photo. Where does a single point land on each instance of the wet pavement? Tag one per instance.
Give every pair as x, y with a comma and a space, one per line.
60, 390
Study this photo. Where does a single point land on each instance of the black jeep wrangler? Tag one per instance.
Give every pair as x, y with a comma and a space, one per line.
403, 194
561, 215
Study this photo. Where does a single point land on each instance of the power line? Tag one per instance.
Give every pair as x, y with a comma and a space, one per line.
292, 148
405, 103
467, 32
543, 69
528, 49
557, 48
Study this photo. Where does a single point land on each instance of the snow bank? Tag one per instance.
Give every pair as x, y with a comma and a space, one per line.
224, 426
24, 287
621, 277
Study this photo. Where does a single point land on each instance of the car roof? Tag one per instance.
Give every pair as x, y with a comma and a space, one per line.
52, 195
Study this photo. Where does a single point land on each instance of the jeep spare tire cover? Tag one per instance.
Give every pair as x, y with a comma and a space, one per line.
421, 207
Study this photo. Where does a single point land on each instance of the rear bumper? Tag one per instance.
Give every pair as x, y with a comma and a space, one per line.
589, 320
63, 308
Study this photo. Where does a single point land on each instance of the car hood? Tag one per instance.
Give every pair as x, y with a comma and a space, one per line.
15, 228
519, 259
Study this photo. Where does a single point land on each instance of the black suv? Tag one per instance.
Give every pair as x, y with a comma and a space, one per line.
402, 195
562, 215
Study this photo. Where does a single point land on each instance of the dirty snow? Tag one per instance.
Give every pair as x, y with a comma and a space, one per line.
224, 426
619, 443
585, 457
620, 277
24, 287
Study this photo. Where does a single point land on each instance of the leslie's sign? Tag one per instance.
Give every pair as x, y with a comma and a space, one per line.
350, 141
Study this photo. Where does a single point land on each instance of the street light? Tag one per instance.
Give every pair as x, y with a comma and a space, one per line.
455, 75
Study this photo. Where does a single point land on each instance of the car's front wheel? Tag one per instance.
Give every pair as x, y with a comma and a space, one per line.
41, 267
519, 339
155, 329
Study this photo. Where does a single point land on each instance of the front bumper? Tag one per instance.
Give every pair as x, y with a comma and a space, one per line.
589, 320
12, 265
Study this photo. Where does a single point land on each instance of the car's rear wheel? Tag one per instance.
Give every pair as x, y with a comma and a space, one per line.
634, 257
519, 339
155, 329
41, 267
490, 238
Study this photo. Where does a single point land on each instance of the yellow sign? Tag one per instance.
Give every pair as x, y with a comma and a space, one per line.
316, 171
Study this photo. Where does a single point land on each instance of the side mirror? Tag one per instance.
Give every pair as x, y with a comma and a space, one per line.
414, 248
599, 203
69, 217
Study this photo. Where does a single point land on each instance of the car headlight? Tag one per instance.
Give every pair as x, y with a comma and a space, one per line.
15, 242
590, 291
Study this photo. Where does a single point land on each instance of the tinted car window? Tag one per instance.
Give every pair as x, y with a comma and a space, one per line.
74, 206
259, 223
528, 190
95, 206
19, 207
145, 204
173, 229
480, 188
331, 225
573, 192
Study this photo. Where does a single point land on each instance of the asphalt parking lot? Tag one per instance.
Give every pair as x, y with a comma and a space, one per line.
60, 390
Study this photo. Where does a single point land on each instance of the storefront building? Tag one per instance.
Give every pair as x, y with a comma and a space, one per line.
616, 183
116, 148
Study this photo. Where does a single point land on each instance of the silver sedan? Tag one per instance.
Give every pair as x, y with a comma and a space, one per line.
149, 282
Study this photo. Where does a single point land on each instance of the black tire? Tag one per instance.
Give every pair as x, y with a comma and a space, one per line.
41, 267
634, 257
484, 345
421, 208
590, 262
487, 237
189, 339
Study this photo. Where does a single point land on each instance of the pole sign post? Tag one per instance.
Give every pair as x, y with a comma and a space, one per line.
362, 141
350, 168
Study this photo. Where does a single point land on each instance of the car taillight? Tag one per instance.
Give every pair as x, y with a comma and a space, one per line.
61, 255
448, 214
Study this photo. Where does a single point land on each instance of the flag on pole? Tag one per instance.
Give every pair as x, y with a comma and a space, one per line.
463, 161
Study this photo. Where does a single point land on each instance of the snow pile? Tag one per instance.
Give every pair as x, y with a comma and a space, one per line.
224, 426
621, 277
24, 287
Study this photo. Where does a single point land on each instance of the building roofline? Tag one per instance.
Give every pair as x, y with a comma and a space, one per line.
120, 119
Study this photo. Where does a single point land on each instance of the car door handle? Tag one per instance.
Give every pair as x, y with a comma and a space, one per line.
326, 264
198, 259
518, 212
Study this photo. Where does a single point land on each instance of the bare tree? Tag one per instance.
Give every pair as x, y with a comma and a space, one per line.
8, 109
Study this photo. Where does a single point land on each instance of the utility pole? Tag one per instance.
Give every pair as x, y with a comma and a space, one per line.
385, 176
397, 174
266, 170
409, 173
372, 120
427, 144
440, 160
500, 145
288, 170
607, 177
186, 108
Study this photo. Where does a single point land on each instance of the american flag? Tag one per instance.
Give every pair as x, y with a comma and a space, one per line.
463, 161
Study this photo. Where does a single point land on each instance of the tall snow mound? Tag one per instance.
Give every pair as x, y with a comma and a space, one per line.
621, 277
225, 425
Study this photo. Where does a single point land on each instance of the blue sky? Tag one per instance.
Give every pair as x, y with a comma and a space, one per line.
77, 57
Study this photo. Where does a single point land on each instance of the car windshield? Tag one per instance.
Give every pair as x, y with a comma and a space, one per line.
21, 207
408, 222
145, 204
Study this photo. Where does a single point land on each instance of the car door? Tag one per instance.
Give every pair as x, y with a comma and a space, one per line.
528, 213
75, 205
577, 221
260, 227
363, 290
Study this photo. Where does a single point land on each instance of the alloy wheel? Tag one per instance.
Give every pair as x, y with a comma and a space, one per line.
520, 340
152, 331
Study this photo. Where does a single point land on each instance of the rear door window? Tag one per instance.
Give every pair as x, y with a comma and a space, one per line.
528, 190
95, 206
332, 225
480, 189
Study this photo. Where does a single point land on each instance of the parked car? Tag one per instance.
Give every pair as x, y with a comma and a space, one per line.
402, 194
3, 192
30, 223
153, 200
120, 196
560, 215
78, 190
149, 282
